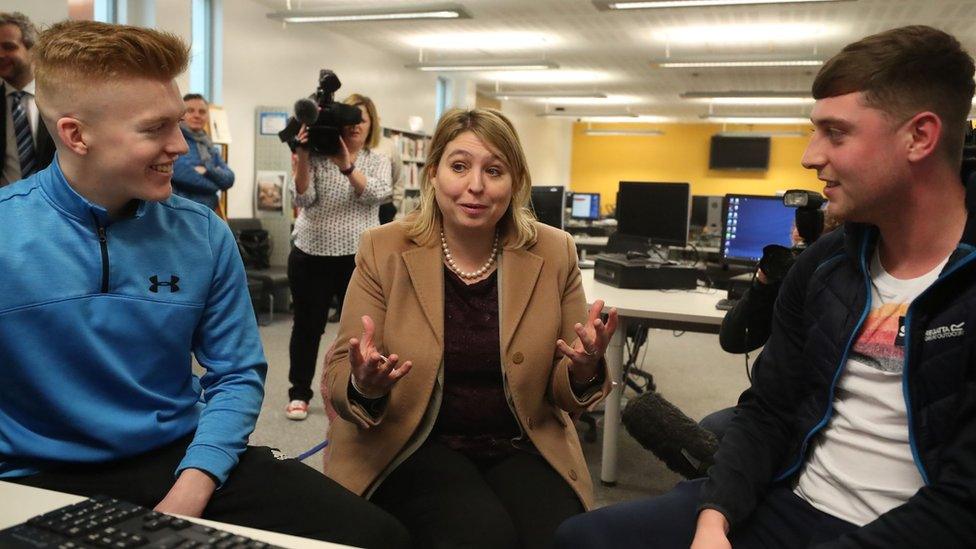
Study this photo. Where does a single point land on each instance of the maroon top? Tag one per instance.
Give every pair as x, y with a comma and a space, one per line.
474, 416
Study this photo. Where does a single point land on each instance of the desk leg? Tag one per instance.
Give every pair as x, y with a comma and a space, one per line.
611, 415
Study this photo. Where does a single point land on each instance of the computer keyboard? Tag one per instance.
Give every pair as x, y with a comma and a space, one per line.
726, 304
102, 521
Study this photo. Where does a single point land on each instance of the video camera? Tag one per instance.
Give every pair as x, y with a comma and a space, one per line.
323, 116
809, 218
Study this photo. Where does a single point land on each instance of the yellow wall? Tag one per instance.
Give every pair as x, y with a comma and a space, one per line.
681, 154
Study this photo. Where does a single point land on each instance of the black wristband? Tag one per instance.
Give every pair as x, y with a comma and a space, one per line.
348, 170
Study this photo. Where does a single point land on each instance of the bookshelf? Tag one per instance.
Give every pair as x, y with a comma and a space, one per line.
412, 147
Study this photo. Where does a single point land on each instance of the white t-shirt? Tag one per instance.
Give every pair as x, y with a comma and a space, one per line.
861, 465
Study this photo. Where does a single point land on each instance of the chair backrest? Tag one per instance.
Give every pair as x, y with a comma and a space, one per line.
252, 241
238, 224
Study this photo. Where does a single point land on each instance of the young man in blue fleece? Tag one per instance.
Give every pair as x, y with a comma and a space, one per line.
109, 284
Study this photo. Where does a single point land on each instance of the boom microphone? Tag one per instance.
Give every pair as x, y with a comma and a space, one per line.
669, 434
306, 111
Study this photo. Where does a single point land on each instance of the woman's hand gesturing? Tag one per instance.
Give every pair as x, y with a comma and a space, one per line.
591, 343
373, 375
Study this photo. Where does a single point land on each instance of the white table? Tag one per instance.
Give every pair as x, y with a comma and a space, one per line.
691, 310
19, 503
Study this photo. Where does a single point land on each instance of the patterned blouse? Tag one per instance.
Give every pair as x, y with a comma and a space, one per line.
332, 217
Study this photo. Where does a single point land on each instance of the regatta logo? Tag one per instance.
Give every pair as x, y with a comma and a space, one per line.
173, 279
945, 332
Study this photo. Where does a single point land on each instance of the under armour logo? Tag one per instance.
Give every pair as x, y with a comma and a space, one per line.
173, 279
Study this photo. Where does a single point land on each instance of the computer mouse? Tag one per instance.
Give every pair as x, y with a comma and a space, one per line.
634, 254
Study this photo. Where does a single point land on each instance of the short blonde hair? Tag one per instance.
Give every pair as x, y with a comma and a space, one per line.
359, 100
74, 54
518, 223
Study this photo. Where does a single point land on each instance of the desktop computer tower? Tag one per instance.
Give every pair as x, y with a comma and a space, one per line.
644, 274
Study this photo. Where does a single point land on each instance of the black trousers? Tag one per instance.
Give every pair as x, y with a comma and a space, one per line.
280, 495
314, 280
782, 519
447, 500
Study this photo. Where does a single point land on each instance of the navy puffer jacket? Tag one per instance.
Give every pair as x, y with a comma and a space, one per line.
820, 309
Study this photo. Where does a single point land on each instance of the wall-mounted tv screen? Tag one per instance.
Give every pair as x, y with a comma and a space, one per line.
738, 153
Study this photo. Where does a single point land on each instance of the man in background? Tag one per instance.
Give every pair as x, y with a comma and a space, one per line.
25, 146
200, 173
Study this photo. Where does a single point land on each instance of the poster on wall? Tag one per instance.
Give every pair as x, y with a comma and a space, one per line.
273, 122
219, 126
269, 187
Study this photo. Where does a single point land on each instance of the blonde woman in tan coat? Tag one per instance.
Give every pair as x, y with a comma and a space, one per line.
463, 351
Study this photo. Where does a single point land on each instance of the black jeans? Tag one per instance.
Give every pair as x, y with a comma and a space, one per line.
280, 495
447, 500
313, 280
782, 519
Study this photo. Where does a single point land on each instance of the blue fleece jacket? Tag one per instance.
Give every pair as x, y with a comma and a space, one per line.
98, 320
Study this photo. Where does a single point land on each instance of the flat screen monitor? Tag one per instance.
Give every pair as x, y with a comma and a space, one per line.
751, 222
585, 206
548, 203
657, 211
738, 153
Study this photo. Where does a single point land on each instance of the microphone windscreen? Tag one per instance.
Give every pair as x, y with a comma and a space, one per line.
306, 111
669, 434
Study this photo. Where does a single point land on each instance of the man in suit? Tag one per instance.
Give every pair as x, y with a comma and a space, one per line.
26, 147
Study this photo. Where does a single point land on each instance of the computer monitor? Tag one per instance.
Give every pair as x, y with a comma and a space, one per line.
548, 204
585, 206
656, 211
751, 222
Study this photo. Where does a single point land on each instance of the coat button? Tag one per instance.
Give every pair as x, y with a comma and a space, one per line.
518, 357
572, 474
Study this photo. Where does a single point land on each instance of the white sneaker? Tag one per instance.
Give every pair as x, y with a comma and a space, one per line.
297, 410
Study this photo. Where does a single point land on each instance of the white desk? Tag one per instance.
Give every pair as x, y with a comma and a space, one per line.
19, 503
692, 311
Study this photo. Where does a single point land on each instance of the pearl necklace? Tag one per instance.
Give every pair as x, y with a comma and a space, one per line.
476, 274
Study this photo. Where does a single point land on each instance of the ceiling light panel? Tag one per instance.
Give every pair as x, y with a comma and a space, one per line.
481, 66
663, 4
486, 41
754, 100
432, 11
540, 94
754, 119
641, 118
593, 101
630, 133
737, 64
588, 115
548, 77
718, 35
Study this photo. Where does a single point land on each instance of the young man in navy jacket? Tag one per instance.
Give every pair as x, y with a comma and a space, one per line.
109, 284
859, 429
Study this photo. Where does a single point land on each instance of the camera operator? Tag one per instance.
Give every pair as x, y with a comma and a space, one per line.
747, 326
339, 196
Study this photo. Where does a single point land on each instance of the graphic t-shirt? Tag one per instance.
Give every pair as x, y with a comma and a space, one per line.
861, 465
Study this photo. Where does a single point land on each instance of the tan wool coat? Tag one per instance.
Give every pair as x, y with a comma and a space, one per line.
400, 284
